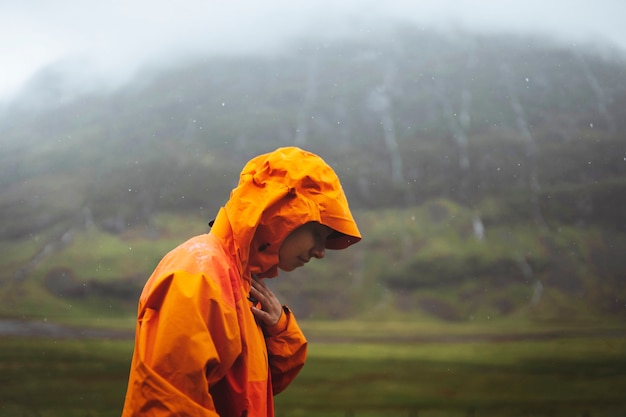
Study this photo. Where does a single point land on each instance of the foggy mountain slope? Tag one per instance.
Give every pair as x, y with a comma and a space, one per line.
444, 142
430, 108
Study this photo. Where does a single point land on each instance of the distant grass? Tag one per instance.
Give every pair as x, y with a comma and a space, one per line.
94, 254
550, 377
436, 236
16, 254
567, 377
63, 377
408, 328
91, 255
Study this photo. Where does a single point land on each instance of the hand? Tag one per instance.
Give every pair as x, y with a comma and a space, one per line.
271, 309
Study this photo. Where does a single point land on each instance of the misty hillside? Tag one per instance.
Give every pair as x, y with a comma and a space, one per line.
509, 134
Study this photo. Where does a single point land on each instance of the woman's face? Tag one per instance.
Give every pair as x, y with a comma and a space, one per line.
306, 242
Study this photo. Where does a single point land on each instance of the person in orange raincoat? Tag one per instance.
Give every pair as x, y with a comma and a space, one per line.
211, 338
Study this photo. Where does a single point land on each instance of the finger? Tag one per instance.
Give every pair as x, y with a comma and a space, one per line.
259, 295
258, 284
255, 286
262, 315
262, 290
256, 297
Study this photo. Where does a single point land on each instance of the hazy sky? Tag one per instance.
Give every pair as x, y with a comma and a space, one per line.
110, 39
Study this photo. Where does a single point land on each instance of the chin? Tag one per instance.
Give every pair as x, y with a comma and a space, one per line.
287, 268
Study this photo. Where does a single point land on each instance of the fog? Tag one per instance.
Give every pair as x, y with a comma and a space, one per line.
104, 43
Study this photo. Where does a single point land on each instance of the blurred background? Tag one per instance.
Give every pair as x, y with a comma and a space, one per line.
481, 145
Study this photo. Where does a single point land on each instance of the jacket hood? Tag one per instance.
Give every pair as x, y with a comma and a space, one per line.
278, 192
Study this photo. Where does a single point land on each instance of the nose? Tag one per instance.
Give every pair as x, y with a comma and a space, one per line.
318, 252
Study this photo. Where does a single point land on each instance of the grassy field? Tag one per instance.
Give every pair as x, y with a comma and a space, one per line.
572, 376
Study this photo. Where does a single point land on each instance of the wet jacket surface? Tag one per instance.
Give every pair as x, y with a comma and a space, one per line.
198, 349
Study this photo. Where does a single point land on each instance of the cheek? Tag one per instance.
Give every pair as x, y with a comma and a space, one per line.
296, 244
285, 259
285, 251
287, 256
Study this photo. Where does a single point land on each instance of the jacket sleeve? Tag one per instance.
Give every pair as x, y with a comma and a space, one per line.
287, 350
187, 337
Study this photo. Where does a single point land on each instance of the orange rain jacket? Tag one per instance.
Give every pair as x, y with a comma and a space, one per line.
198, 349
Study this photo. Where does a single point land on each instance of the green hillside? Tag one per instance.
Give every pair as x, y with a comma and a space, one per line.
488, 176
